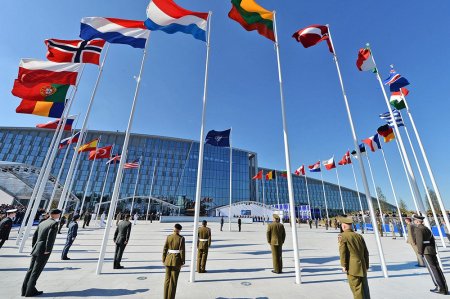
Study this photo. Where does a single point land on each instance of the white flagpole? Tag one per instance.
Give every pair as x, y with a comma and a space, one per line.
123, 158
361, 164
104, 185
231, 183
288, 160
376, 193
184, 168
427, 164
135, 186
433, 210
324, 195
340, 190
407, 177
394, 193
276, 188
70, 173
198, 191
89, 177
263, 198
151, 190
357, 189
307, 195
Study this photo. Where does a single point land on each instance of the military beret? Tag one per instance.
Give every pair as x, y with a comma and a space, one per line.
55, 211
276, 216
178, 226
418, 217
345, 219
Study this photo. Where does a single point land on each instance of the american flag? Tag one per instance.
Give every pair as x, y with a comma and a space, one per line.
131, 165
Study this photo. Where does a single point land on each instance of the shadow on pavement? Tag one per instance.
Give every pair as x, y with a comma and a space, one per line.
95, 292
45, 269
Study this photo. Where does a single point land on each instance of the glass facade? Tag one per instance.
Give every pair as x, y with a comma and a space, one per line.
174, 162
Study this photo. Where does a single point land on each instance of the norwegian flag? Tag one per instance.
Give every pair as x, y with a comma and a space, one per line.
76, 51
131, 165
300, 170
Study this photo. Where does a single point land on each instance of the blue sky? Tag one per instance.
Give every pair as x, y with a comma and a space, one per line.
243, 88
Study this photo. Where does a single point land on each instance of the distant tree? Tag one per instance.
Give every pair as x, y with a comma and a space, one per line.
403, 207
383, 201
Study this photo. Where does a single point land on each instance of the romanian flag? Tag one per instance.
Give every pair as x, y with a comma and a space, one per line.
251, 16
258, 176
387, 132
271, 175
90, 146
48, 109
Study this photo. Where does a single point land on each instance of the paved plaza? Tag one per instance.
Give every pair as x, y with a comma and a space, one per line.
239, 266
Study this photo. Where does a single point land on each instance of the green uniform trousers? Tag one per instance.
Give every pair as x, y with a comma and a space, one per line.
36, 266
202, 256
170, 282
359, 287
419, 258
277, 258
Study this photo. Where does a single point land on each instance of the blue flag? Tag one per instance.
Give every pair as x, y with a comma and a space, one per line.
218, 138
395, 81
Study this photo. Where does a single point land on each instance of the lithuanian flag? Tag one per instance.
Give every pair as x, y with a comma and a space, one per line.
270, 175
90, 146
251, 16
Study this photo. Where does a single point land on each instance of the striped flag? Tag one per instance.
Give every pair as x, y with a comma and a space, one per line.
132, 165
114, 160
300, 170
397, 116
373, 142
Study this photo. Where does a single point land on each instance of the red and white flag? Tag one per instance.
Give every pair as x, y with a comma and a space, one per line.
300, 170
76, 51
329, 164
312, 35
114, 160
36, 71
346, 159
101, 153
131, 165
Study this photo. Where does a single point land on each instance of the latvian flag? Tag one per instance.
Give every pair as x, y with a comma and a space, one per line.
329, 164
76, 51
315, 167
373, 142
312, 35
300, 170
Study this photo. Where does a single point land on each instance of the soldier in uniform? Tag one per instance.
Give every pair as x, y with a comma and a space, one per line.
71, 235
203, 244
426, 248
239, 223
275, 237
6, 225
221, 223
121, 238
354, 259
43, 241
173, 258
410, 240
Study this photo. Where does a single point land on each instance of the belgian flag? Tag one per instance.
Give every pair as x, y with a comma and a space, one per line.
271, 175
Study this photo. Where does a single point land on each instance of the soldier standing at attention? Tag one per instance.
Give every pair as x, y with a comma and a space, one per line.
410, 240
354, 259
203, 244
173, 258
221, 223
71, 235
239, 223
43, 241
275, 237
121, 238
426, 248
6, 225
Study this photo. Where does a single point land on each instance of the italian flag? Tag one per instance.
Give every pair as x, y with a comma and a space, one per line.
365, 61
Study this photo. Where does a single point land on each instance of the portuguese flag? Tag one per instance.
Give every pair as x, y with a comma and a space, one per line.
251, 16
47, 92
41, 108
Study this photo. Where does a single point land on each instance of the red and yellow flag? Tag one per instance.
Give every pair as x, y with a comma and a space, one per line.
90, 146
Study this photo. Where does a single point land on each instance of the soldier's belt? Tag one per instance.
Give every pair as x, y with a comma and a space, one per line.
173, 251
426, 242
203, 240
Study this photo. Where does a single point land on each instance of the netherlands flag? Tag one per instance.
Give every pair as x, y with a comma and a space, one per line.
167, 16
315, 167
115, 31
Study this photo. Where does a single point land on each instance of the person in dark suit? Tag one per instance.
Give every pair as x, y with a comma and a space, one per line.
221, 224
121, 238
69, 219
71, 235
43, 241
239, 223
62, 221
6, 225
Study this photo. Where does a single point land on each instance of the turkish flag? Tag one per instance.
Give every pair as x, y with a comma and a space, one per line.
101, 153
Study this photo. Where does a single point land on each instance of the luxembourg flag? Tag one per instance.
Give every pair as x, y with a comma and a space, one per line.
115, 31
373, 142
315, 167
329, 164
167, 16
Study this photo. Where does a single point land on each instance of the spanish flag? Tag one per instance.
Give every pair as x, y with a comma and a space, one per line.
90, 146
271, 175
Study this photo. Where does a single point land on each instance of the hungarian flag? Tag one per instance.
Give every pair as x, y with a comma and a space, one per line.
32, 71
114, 160
387, 132
258, 176
48, 109
312, 35
329, 164
69, 140
271, 175
397, 98
346, 159
300, 170
91, 145
365, 61
47, 92
315, 167
101, 153
283, 174
53, 125
76, 51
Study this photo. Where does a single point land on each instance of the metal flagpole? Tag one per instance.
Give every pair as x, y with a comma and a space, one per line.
198, 191
89, 177
357, 189
307, 195
82, 131
288, 160
361, 163
276, 188
151, 190
104, 185
123, 158
231, 183
394, 193
376, 193
324, 195
263, 198
135, 185
427, 164
340, 190
433, 210
184, 167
